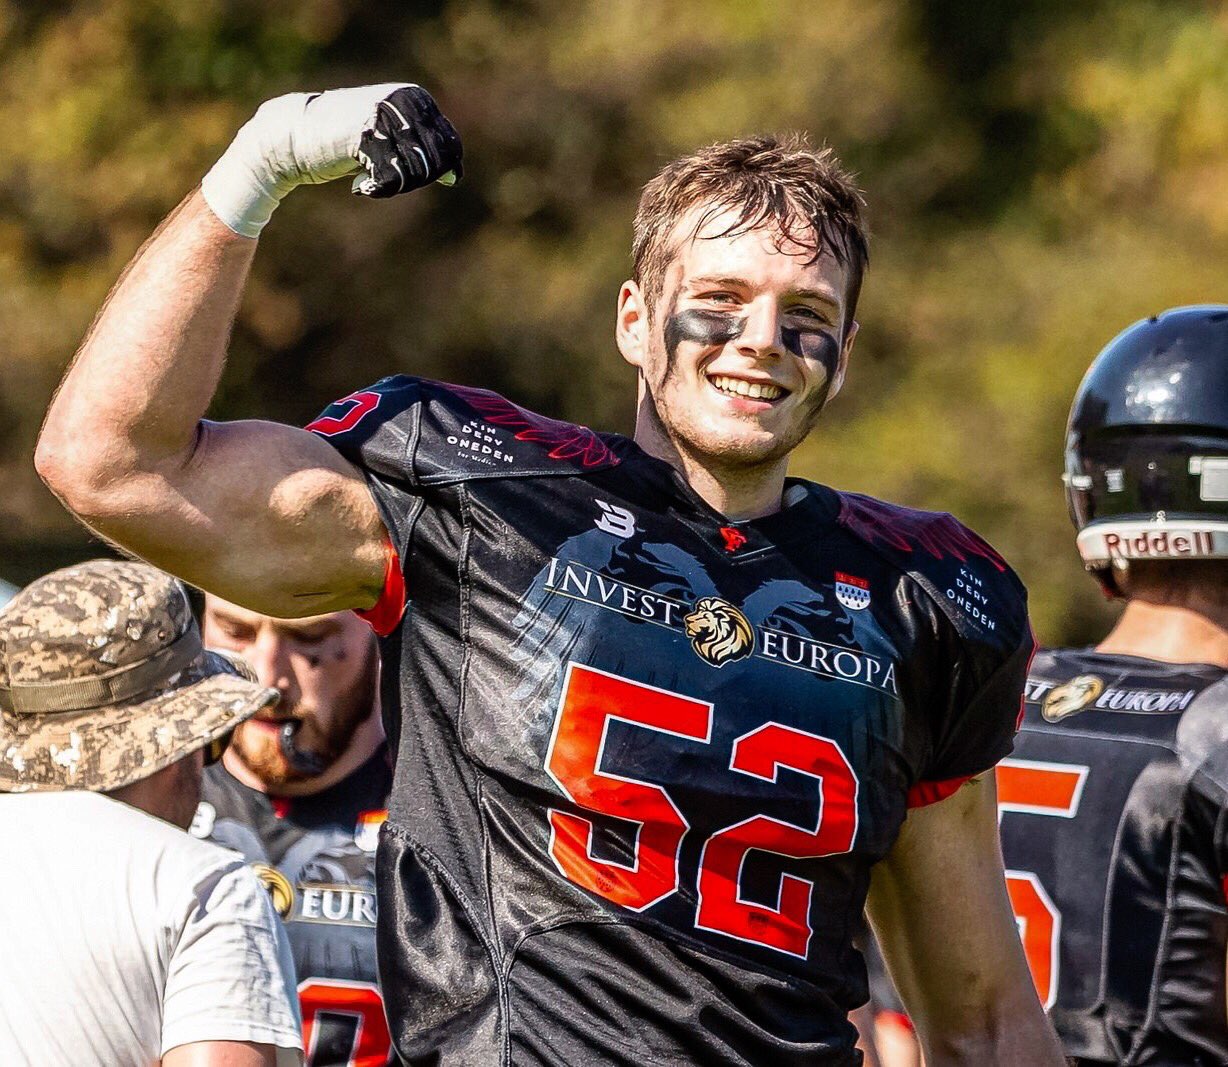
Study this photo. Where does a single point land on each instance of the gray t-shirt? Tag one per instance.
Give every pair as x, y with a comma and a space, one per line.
122, 937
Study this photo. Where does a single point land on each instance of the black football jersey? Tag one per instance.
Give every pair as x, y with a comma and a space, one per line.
1115, 834
645, 756
316, 857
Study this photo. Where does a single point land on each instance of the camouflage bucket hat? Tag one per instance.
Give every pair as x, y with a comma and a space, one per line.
104, 681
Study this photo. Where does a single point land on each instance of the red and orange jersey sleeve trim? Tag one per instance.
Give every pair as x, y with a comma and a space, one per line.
385, 615
924, 793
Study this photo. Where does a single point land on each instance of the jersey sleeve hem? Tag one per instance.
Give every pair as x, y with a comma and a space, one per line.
219, 1028
386, 614
897, 1017
925, 793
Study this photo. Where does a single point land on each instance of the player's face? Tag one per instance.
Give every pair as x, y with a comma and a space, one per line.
745, 345
326, 669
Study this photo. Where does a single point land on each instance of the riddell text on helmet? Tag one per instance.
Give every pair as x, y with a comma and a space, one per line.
1160, 545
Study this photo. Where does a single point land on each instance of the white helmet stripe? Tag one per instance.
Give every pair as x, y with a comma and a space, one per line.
1103, 542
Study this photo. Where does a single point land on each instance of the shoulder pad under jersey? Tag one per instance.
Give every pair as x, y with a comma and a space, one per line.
975, 587
423, 432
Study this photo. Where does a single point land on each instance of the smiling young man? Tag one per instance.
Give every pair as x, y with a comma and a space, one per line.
657, 710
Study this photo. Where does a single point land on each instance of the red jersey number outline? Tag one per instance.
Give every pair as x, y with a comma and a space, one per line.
360, 1000
1033, 787
761, 754
364, 402
590, 699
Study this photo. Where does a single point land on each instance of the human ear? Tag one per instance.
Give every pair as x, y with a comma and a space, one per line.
837, 379
631, 324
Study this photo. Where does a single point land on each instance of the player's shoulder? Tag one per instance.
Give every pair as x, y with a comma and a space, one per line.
426, 432
1063, 683
1058, 663
1179, 705
963, 574
176, 859
1202, 733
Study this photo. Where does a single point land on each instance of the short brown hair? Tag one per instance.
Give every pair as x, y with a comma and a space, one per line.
804, 192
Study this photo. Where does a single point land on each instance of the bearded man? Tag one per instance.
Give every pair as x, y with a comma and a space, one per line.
301, 792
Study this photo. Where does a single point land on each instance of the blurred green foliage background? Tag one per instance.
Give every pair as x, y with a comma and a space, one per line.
1039, 174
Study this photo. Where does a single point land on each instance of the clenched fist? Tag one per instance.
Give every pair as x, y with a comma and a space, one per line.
395, 132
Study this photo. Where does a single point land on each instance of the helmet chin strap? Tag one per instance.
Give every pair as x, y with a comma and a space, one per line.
304, 762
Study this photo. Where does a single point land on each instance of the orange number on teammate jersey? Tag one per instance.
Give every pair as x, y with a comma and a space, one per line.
591, 698
356, 1004
1033, 788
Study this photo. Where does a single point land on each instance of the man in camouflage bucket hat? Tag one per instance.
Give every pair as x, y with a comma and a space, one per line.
127, 941
104, 681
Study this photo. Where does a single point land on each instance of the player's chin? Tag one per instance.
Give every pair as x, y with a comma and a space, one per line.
739, 443
260, 751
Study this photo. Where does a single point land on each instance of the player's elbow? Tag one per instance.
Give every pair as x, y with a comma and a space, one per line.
78, 471
58, 463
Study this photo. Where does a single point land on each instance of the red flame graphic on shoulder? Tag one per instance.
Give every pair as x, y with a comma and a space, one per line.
564, 440
907, 530
361, 404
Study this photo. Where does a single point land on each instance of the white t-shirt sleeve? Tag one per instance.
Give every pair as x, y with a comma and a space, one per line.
230, 975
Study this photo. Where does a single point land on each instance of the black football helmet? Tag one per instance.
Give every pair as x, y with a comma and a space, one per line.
1147, 444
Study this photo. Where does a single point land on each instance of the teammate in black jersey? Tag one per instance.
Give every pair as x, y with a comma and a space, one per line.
657, 710
302, 792
1115, 803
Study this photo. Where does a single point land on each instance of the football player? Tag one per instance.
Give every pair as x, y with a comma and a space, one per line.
301, 792
1115, 803
657, 710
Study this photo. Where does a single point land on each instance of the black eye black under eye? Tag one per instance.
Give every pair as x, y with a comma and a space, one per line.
813, 344
703, 327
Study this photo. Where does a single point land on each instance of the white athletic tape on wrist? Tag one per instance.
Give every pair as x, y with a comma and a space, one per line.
298, 139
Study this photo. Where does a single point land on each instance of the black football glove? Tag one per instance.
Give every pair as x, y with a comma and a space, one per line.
408, 145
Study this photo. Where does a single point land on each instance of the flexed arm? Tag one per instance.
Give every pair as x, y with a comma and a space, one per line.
266, 515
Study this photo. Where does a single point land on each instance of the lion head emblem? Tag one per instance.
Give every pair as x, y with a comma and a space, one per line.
278, 886
1074, 696
719, 632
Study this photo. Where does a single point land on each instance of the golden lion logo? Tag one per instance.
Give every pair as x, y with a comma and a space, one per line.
280, 891
1074, 696
719, 632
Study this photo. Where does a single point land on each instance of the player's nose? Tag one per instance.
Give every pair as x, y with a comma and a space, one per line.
270, 659
761, 336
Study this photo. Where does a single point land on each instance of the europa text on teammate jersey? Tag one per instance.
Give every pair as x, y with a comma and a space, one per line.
645, 758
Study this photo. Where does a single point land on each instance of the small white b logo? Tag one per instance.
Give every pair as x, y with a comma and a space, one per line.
614, 520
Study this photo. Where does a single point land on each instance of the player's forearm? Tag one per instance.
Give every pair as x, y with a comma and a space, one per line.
132, 400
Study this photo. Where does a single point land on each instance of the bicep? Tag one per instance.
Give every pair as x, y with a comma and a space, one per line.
266, 515
940, 909
221, 1054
